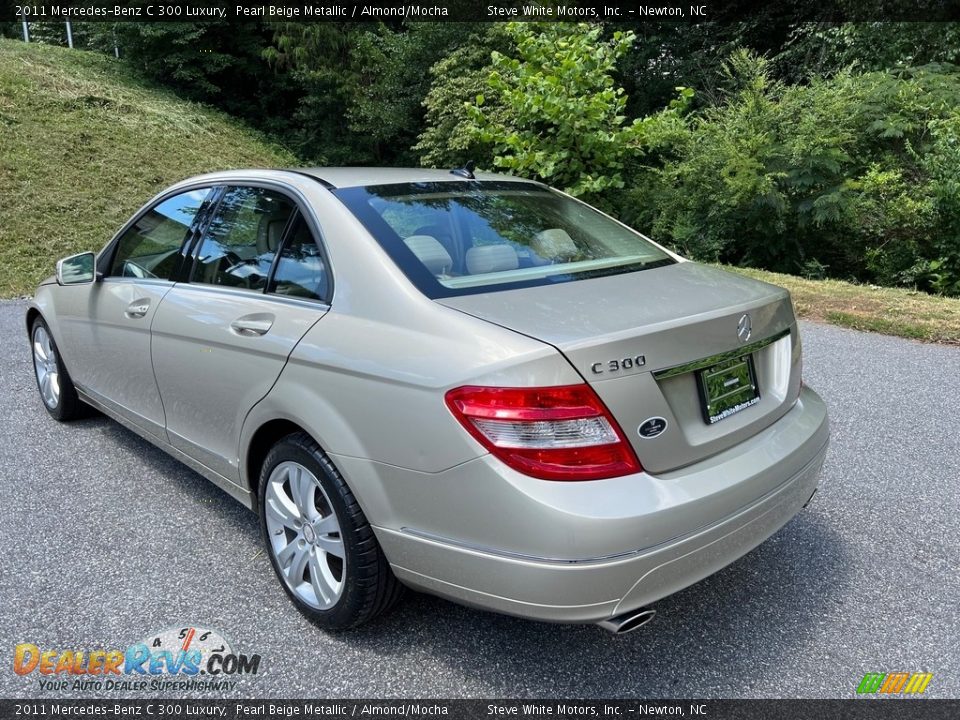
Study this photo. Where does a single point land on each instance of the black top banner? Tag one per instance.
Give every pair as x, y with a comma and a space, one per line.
485, 10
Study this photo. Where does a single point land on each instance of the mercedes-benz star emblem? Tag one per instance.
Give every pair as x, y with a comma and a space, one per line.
744, 328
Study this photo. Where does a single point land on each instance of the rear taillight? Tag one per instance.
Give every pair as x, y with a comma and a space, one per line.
553, 433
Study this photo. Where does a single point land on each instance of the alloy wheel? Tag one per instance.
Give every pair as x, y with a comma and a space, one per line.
304, 535
45, 365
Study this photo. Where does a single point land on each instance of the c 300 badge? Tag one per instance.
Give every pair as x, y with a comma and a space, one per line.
652, 427
633, 362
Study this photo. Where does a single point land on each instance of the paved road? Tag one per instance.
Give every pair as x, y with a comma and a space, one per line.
105, 539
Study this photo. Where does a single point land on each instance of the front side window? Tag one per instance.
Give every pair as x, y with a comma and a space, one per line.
456, 238
151, 247
243, 238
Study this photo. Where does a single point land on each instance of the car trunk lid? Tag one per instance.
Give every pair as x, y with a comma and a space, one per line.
662, 345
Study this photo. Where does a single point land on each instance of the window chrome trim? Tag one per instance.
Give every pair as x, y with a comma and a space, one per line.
113, 279
256, 295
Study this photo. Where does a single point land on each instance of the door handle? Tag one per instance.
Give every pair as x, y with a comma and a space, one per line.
252, 325
137, 309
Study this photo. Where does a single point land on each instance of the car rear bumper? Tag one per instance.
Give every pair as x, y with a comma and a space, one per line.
697, 532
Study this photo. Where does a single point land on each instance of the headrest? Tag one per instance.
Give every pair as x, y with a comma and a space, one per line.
431, 253
270, 232
491, 258
554, 244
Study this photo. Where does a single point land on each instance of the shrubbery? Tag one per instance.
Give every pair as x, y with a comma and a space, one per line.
564, 121
852, 176
839, 155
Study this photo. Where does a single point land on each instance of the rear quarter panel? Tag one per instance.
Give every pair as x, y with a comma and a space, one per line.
368, 381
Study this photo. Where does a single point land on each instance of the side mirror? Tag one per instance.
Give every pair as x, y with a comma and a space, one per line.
77, 269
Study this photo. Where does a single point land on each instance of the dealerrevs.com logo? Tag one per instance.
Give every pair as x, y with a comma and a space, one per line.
186, 658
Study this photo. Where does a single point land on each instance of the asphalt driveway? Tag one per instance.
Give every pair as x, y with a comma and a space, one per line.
106, 540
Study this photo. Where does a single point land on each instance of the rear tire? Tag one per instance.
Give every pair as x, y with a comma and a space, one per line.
57, 393
319, 542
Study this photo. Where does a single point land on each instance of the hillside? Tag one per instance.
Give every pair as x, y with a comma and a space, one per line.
83, 143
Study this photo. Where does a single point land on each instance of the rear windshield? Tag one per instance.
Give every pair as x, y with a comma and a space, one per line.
458, 238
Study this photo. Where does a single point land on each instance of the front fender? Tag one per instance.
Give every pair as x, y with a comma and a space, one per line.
42, 304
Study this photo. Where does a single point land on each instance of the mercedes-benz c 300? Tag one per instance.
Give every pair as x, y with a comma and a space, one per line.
475, 386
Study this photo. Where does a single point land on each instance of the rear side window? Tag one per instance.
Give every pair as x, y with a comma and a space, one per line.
243, 238
300, 270
151, 247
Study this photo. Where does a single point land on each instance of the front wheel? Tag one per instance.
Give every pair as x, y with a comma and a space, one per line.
320, 544
57, 392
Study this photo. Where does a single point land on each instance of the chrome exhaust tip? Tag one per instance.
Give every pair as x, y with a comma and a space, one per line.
628, 622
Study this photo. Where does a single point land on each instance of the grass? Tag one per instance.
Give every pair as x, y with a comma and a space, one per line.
891, 311
84, 142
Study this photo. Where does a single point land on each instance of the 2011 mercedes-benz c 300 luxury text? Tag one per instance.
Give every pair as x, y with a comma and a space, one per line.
475, 386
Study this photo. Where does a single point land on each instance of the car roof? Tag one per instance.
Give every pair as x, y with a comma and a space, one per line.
343, 177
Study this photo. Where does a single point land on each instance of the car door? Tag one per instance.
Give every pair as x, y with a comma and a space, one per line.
108, 328
259, 281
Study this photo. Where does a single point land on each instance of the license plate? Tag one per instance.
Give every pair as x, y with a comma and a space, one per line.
727, 388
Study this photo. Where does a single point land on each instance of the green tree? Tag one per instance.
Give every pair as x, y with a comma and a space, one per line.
813, 50
317, 57
217, 62
392, 66
852, 176
48, 33
563, 116
667, 54
448, 139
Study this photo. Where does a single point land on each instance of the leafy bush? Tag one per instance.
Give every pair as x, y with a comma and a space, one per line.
448, 139
855, 175
386, 107
564, 120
